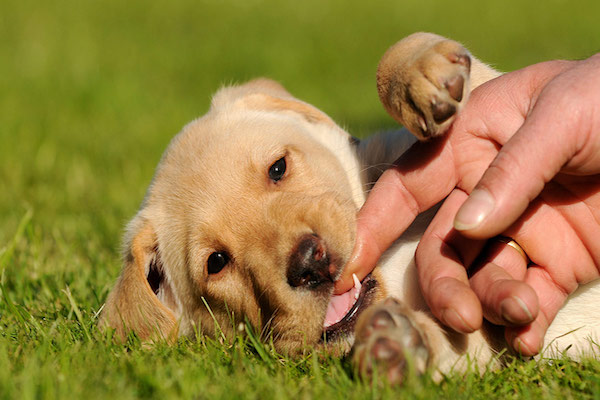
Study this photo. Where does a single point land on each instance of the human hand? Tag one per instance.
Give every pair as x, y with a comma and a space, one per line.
537, 131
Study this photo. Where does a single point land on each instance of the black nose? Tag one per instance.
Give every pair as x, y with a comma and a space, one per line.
309, 263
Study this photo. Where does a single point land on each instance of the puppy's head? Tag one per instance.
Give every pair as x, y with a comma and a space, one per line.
250, 216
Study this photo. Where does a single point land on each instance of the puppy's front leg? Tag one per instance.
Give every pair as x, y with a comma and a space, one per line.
389, 342
425, 79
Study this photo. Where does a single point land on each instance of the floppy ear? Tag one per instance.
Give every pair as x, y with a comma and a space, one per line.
265, 94
133, 304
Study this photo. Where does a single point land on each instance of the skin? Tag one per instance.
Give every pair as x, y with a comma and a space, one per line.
522, 160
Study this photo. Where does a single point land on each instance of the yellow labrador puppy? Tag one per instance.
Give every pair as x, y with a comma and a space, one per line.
251, 216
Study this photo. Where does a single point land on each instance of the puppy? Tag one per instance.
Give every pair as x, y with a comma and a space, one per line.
251, 217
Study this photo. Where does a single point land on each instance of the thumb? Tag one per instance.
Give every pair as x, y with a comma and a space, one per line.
389, 209
555, 131
420, 178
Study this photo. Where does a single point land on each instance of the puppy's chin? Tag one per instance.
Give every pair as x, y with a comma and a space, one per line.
336, 334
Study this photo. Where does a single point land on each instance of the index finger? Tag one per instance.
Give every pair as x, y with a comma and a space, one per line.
420, 178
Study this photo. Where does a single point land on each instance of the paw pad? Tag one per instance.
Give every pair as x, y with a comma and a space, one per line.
388, 342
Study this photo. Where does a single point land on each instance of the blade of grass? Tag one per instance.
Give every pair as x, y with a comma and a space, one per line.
215, 320
14, 310
7, 251
258, 345
77, 312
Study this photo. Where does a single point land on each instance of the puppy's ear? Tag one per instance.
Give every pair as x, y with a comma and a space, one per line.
265, 94
133, 304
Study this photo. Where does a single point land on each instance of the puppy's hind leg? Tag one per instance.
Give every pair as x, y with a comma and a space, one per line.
389, 343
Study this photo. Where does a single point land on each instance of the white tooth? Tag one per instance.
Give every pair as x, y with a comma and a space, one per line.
357, 286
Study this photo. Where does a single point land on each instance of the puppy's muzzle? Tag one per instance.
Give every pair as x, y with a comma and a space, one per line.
309, 264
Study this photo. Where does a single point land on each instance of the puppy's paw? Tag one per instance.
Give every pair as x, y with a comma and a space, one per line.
423, 81
388, 343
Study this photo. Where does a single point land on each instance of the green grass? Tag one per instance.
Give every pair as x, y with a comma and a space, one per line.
90, 94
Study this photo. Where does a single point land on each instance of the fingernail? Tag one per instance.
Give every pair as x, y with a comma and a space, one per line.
342, 284
477, 207
515, 310
451, 318
522, 348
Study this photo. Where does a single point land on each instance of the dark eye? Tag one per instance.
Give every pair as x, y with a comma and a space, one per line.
277, 170
217, 261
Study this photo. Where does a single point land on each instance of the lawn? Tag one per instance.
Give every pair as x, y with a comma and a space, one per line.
92, 91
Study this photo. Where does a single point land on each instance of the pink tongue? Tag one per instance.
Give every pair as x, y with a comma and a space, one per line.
338, 307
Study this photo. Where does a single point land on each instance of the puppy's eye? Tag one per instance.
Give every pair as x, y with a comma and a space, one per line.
277, 170
217, 261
